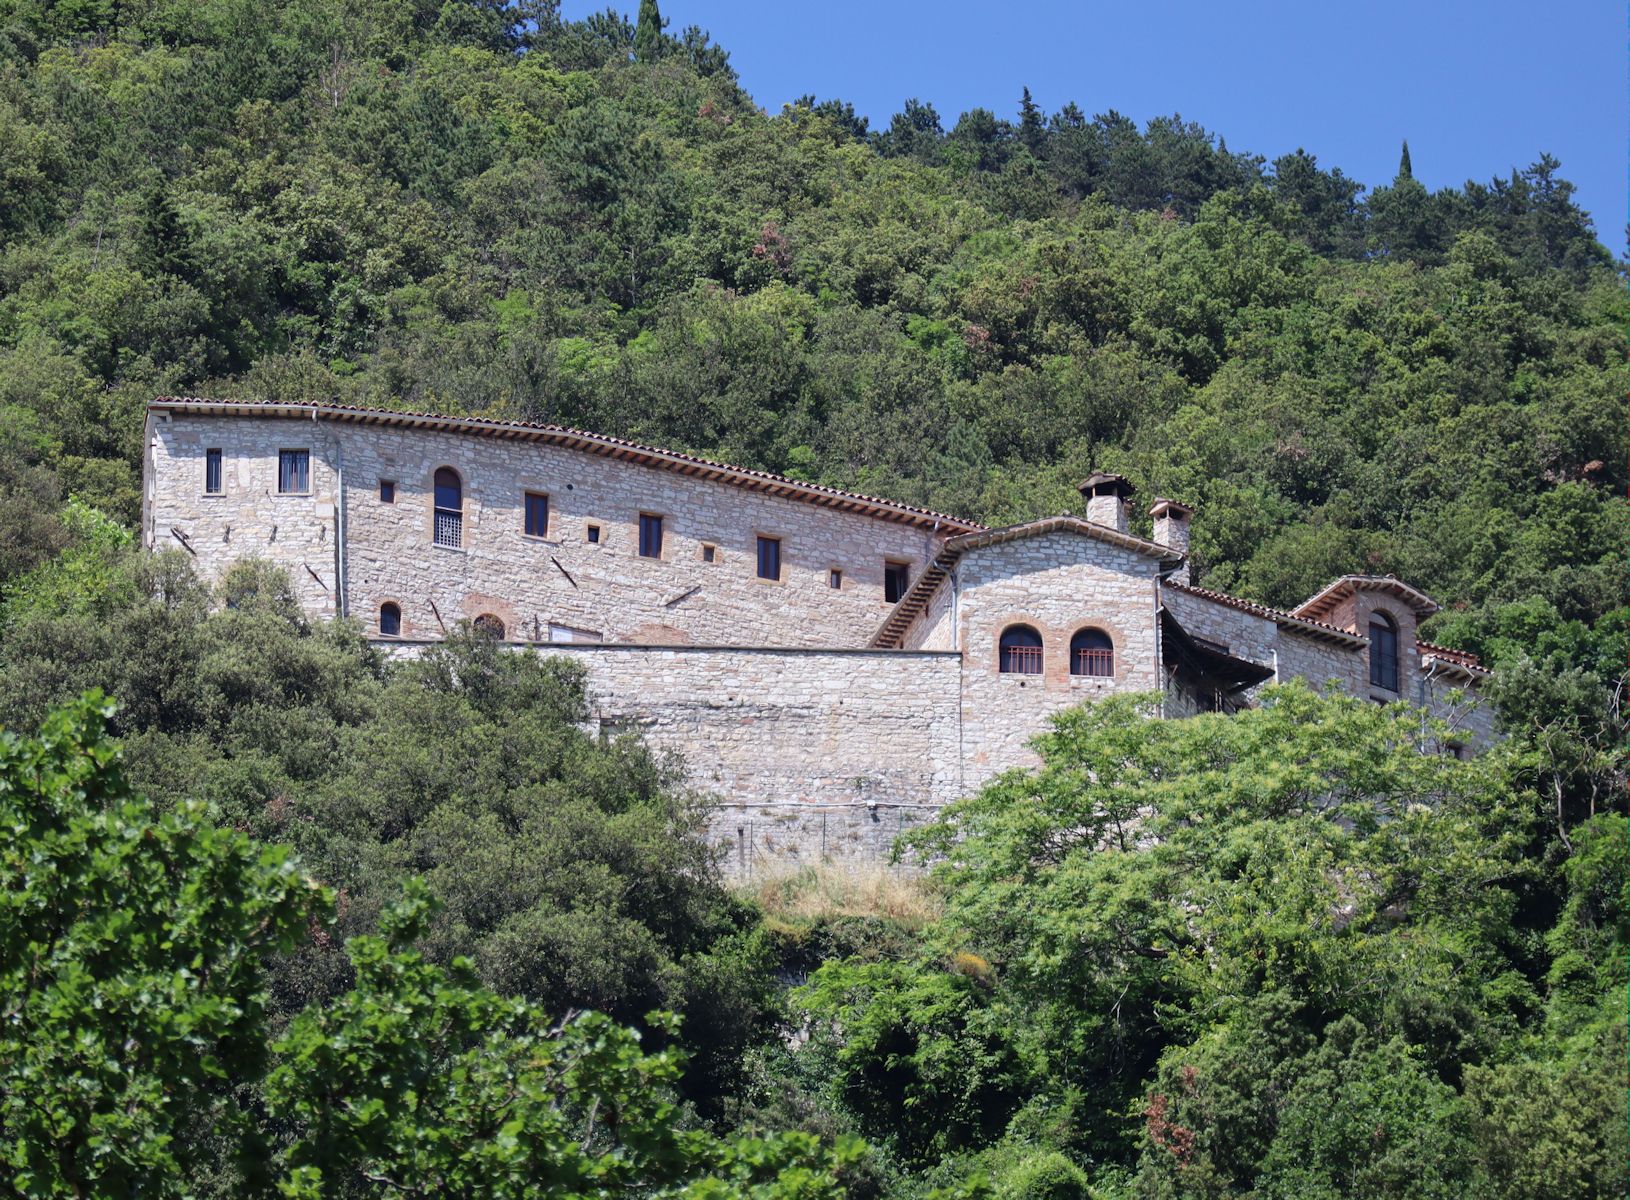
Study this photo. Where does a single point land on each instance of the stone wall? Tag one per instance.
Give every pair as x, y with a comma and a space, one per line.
562, 579
1057, 583
809, 753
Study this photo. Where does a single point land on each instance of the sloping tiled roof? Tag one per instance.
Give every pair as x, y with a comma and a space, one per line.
1321, 604
1462, 660
1300, 624
578, 439
890, 633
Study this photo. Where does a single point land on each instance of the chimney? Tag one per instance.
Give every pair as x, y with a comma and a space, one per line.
1172, 532
1106, 499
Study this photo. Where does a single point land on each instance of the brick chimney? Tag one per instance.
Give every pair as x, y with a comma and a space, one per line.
1172, 532
1107, 497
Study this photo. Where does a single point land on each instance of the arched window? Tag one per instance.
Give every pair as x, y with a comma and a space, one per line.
449, 523
1383, 652
1092, 653
490, 625
1020, 651
390, 620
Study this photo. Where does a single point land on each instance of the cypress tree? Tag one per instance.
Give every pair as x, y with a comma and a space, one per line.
1032, 132
1404, 170
648, 33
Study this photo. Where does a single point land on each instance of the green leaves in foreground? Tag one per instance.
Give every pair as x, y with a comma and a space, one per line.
136, 1056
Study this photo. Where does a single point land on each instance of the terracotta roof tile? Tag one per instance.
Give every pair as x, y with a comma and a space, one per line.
594, 443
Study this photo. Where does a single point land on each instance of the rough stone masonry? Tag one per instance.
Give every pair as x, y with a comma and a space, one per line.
832, 668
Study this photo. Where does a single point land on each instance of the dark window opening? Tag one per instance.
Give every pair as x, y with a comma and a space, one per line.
212, 472
769, 558
387, 491
489, 625
896, 578
709, 553
537, 515
449, 515
834, 578
1092, 653
1020, 651
650, 536
294, 470
1383, 652
390, 621
594, 534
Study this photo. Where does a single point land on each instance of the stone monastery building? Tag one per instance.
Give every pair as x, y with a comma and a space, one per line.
833, 667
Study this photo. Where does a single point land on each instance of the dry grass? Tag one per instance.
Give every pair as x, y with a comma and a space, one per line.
816, 893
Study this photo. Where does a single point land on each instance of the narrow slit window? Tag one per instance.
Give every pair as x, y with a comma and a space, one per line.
769, 558
709, 552
212, 472
650, 535
834, 579
387, 491
1383, 652
537, 515
896, 578
593, 535
293, 471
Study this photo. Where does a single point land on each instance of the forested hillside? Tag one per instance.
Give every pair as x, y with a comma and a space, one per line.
475, 206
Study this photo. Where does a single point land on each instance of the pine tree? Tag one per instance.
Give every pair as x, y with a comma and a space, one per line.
1032, 131
1404, 170
648, 33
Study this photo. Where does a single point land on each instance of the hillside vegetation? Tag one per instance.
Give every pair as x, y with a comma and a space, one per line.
1342, 969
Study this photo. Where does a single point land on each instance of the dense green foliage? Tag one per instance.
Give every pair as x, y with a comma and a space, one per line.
1276, 955
137, 1037
1280, 954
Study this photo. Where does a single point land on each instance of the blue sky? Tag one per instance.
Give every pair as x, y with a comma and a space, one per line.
1476, 88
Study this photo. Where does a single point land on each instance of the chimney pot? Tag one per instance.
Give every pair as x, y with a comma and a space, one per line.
1172, 531
1107, 496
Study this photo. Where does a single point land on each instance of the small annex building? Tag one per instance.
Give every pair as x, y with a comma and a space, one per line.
833, 667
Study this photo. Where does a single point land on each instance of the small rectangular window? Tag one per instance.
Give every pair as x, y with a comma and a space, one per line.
294, 470
387, 491
896, 578
650, 535
593, 534
834, 578
769, 558
537, 515
709, 553
212, 472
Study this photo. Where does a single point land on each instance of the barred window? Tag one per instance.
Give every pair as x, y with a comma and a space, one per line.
1020, 651
1092, 653
294, 470
449, 516
212, 472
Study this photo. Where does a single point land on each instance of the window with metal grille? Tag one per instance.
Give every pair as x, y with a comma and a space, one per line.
537, 515
896, 578
1092, 653
294, 470
1383, 652
212, 472
769, 558
1020, 651
448, 529
650, 535
390, 620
